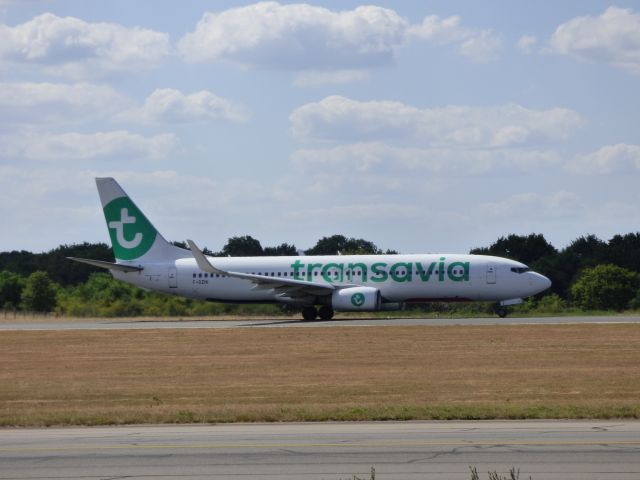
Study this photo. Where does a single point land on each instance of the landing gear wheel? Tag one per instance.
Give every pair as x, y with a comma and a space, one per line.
501, 311
326, 313
309, 313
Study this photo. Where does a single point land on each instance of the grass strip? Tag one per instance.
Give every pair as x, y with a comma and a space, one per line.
293, 374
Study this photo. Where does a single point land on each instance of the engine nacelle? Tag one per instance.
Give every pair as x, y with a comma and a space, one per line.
356, 299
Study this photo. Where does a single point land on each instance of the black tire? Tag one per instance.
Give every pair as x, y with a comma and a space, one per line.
309, 313
326, 313
502, 312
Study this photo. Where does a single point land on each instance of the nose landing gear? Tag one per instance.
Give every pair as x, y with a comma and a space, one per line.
501, 309
501, 312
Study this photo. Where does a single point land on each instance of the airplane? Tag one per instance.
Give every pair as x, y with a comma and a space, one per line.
319, 285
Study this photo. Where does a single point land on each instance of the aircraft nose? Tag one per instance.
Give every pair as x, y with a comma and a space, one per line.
540, 282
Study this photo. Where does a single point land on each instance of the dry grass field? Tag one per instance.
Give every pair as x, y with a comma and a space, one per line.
298, 374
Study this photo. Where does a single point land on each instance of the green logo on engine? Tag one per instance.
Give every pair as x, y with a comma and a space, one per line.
131, 233
357, 299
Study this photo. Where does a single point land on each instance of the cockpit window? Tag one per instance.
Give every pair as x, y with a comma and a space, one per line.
520, 269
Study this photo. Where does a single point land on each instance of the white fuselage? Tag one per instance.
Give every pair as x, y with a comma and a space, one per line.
399, 278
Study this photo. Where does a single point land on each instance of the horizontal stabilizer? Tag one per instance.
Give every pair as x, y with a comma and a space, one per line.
109, 265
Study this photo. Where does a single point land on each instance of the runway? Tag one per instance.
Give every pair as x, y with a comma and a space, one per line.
568, 450
110, 324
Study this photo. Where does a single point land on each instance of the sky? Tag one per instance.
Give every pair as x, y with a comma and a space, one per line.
422, 126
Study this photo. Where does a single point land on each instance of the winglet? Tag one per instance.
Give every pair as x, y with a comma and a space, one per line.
203, 263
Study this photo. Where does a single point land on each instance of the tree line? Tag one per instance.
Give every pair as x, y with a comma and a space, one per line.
588, 274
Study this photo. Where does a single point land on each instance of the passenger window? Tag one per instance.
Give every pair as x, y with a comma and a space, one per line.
199, 275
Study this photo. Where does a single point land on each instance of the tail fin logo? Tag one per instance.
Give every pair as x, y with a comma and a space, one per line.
119, 228
131, 233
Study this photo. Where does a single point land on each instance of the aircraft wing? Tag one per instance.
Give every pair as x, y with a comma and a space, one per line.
285, 286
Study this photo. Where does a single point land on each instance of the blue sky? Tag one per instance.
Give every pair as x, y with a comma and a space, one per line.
421, 126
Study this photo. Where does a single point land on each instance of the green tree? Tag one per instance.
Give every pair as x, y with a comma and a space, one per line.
245, 246
588, 251
563, 267
39, 293
624, 251
523, 248
339, 243
11, 286
281, 250
66, 272
55, 262
605, 287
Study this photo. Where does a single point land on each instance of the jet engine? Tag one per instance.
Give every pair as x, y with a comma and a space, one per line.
356, 299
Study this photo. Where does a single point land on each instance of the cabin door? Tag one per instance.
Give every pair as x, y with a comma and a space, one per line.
491, 273
173, 277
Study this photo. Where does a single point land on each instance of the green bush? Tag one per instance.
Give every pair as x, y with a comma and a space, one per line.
11, 286
605, 287
102, 296
39, 293
635, 303
551, 304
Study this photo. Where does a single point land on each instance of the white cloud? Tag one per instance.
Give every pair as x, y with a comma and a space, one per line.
72, 47
315, 78
613, 38
34, 103
53, 102
440, 30
387, 159
558, 204
477, 45
620, 158
527, 43
117, 144
482, 48
366, 211
305, 37
167, 105
340, 118
296, 37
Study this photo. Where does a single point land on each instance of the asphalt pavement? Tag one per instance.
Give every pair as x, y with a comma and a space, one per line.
567, 450
145, 324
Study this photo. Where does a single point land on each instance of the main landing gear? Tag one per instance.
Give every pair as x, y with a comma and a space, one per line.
311, 313
501, 312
